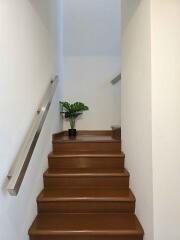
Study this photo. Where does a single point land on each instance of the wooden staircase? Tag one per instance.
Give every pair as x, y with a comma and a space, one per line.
86, 192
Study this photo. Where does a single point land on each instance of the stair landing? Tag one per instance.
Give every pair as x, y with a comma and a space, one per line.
95, 142
86, 136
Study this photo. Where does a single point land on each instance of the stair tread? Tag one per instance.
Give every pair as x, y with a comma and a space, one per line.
122, 224
85, 138
54, 155
86, 195
86, 172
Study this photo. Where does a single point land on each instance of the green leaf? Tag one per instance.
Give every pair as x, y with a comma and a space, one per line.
72, 111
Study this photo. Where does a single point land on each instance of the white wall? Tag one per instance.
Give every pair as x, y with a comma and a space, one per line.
92, 27
150, 104
87, 79
165, 17
51, 14
27, 66
136, 107
92, 59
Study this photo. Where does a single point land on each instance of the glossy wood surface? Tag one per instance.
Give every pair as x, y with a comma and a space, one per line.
61, 161
86, 178
87, 147
95, 224
86, 200
86, 192
84, 143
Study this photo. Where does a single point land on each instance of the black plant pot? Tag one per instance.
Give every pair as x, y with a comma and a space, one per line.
72, 132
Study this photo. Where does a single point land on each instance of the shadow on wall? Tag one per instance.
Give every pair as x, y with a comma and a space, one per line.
131, 6
46, 11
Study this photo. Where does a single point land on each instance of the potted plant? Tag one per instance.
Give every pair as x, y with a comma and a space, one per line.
71, 112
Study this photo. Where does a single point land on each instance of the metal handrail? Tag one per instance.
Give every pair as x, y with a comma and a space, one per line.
116, 79
23, 158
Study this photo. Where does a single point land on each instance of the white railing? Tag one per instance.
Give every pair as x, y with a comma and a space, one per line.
23, 158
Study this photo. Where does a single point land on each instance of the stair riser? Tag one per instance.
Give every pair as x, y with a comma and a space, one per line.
105, 237
86, 162
86, 182
116, 133
87, 147
86, 207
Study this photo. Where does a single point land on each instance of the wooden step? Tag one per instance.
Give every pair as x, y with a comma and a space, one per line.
116, 131
86, 143
91, 226
86, 178
59, 161
86, 200
86, 194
